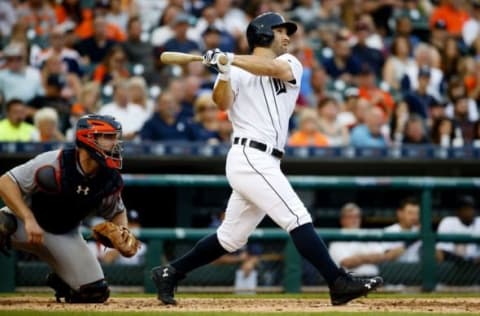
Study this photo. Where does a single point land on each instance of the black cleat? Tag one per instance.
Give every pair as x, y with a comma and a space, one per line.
347, 287
62, 290
8, 226
165, 279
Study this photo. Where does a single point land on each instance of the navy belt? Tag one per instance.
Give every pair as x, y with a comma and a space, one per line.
257, 145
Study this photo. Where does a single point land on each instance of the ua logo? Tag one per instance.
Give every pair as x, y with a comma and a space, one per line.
82, 190
165, 272
279, 86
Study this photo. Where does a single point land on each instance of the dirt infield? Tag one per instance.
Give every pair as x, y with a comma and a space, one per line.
432, 305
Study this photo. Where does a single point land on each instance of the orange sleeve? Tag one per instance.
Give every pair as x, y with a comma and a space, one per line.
296, 139
60, 13
115, 33
321, 140
99, 73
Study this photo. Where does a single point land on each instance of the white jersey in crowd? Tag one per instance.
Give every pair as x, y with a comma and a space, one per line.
340, 250
453, 225
257, 112
412, 254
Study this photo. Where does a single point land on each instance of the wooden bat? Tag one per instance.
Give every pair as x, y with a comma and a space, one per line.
182, 58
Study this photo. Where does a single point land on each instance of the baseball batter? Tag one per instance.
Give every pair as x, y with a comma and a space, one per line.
260, 92
48, 197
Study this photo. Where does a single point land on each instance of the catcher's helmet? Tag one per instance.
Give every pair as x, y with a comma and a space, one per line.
259, 31
89, 128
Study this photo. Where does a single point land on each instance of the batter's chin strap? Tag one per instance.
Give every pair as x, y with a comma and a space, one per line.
95, 292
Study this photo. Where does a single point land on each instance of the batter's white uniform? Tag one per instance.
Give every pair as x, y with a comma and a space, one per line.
260, 112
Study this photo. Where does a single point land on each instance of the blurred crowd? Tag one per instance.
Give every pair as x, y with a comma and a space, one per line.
376, 72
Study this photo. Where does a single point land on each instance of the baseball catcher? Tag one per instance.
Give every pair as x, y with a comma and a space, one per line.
47, 198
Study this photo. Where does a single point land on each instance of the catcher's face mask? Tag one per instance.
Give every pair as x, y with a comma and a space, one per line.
100, 136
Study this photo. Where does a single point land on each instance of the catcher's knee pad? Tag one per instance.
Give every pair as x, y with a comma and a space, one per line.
95, 292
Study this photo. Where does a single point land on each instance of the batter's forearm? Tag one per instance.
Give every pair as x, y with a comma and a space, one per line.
12, 197
264, 66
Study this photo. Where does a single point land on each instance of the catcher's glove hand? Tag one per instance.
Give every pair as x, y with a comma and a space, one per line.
114, 236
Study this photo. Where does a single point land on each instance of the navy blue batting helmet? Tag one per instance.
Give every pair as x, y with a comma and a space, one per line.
260, 29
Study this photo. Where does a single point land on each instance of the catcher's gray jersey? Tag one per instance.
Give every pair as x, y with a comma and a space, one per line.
67, 254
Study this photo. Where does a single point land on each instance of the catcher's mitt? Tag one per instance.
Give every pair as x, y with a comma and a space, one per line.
114, 236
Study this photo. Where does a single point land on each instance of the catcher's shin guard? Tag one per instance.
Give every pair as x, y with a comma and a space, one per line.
8, 226
95, 292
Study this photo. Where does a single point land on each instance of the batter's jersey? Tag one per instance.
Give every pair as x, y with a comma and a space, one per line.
263, 105
24, 176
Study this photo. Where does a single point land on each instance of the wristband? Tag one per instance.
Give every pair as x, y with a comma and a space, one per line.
224, 76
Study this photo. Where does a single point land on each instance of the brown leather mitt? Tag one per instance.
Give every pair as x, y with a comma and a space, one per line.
114, 236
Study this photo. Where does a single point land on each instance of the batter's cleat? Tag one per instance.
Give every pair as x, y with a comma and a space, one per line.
165, 279
8, 226
347, 287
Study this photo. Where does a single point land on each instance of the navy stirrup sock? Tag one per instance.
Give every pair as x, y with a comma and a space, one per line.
205, 251
312, 248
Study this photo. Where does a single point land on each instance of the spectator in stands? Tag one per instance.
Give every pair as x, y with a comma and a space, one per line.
54, 66
471, 28
37, 15
381, 12
88, 103
113, 67
234, 19
451, 57
404, 28
368, 89
463, 125
346, 117
396, 63
69, 57
398, 121
72, 12
138, 51
329, 125
205, 124
14, 128
115, 14
132, 116
165, 124
180, 41
307, 133
408, 221
96, 46
319, 81
464, 222
439, 35
9, 17
164, 31
425, 56
191, 86
343, 64
139, 94
442, 132
415, 131
17, 80
46, 123
457, 91
369, 134
359, 257
419, 100
367, 55
210, 20
53, 98
454, 13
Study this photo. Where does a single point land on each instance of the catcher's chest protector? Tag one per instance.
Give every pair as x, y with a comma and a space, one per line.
77, 196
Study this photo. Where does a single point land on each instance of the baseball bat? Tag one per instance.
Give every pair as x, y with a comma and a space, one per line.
182, 58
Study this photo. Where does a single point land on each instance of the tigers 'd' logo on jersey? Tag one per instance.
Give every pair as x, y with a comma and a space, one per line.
279, 86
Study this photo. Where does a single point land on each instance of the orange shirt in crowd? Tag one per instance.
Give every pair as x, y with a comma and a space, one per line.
387, 104
101, 71
302, 139
453, 18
